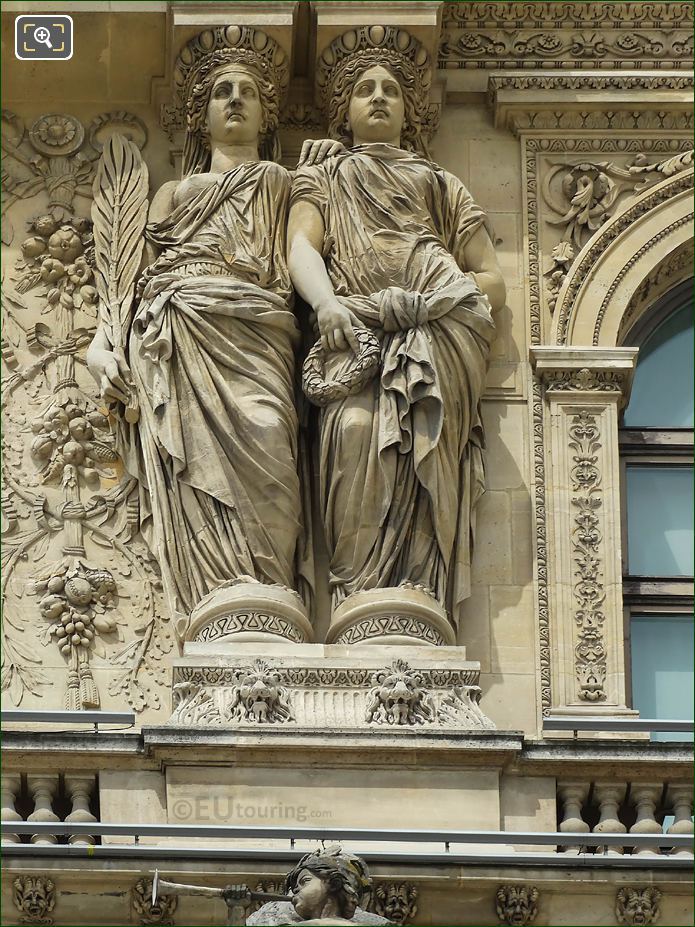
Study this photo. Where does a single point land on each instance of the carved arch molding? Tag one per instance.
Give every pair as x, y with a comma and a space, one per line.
608, 288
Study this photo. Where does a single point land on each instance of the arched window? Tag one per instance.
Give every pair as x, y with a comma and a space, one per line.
656, 442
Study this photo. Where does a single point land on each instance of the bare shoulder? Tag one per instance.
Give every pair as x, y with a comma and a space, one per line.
163, 201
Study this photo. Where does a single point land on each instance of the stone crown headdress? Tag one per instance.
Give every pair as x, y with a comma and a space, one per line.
374, 45
214, 48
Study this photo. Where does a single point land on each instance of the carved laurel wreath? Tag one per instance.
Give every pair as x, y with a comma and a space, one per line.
360, 370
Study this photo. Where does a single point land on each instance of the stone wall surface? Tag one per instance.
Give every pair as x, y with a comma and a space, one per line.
571, 126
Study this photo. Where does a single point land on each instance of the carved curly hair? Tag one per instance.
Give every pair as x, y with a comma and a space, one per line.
339, 104
334, 874
196, 150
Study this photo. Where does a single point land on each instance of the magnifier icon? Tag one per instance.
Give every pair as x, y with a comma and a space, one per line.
42, 35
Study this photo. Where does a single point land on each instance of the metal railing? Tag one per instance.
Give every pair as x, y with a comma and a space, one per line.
126, 718
615, 724
340, 834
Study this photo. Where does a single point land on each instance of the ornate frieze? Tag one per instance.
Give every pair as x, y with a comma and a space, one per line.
338, 694
566, 35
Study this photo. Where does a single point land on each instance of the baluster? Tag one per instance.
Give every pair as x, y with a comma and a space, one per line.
43, 790
645, 796
573, 795
10, 786
609, 796
680, 796
79, 789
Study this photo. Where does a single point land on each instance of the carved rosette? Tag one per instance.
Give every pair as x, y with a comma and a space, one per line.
335, 694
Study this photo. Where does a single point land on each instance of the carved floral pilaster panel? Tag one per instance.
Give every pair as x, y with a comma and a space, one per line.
77, 578
584, 567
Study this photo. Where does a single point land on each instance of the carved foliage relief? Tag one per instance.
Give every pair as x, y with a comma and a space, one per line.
537, 35
77, 579
587, 555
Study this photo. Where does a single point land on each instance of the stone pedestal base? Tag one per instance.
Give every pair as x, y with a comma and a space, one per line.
398, 615
249, 612
327, 688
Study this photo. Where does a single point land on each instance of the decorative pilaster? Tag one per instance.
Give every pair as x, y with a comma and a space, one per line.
43, 790
584, 389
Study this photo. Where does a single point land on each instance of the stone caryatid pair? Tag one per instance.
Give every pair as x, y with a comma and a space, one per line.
393, 256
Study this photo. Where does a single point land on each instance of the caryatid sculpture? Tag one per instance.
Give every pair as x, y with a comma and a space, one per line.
210, 356
394, 256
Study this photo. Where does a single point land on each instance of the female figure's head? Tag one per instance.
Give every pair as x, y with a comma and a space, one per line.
232, 105
374, 83
230, 82
375, 103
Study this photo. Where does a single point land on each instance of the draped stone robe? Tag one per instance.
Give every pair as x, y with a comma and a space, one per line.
401, 466
212, 355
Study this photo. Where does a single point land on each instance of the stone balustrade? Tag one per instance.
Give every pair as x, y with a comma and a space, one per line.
615, 807
55, 797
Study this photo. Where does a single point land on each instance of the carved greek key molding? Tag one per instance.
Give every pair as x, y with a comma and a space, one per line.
587, 556
391, 625
249, 621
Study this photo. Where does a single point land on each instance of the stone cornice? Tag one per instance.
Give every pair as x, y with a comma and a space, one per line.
582, 15
581, 370
516, 97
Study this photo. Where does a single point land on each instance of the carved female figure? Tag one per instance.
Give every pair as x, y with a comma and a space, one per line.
211, 351
382, 238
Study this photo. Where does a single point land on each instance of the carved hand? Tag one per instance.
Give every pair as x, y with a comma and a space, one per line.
109, 369
318, 150
336, 326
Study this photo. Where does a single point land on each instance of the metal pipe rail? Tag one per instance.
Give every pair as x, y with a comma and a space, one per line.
615, 724
69, 717
243, 832
188, 854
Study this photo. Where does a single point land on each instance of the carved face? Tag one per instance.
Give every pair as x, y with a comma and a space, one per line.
377, 109
638, 906
235, 111
516, 905
396, 901
310, 895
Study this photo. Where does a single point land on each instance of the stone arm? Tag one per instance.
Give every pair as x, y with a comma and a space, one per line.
481, 263
305, 235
